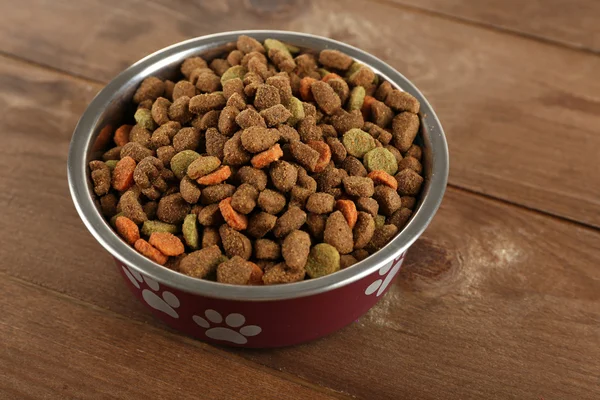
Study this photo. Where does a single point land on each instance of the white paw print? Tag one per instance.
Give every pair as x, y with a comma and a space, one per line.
227, 334
167, 304
381, 284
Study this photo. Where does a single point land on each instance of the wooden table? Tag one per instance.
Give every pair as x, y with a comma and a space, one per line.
500, 298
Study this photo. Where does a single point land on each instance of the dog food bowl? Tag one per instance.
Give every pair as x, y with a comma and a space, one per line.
249, 316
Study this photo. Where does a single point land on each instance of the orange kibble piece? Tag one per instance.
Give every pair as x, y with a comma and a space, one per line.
256, 275
366, 107
234, 219
382, 177
324, 154
216, 177
127, 229
329, 76
265, 158
305, 92
122, 178
150, 251
167, 243
103, 138
122, 135
348, 210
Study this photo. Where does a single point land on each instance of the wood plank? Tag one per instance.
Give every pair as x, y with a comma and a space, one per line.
569, 22
520, 127
51, 351
493, 300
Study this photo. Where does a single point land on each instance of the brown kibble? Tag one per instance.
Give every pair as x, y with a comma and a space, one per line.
227, 125
383, 90
235, 243
179, 110
172, 209
283, 175
360, 254
216, 193
412, 163
338, 234
299, 196
189, 191
291, 220
108, 205
247, 44
122, 176
236, 101
183, 88
271, 201
121, 137
244, 199
405, 127
151, 88
206, 102
316, 225
253, 176
347, 260
305, 155
266, 96
282, 83
235, 57
348, 209
388, 199
383, 178
100, 173
368, 204
130, 206
234, 219
288, 134
363, 230
203, 166
281, 273
166, 243
208, 120
400, 217
233, 86
252, 81
248, 118
219, 66
150, 251
306, 63
191, 64
265, 249
364, 77
275, 115
358, 186
260, 224
201, 263
328, 131
235, 271
210, 215
140, 135
320, 203
206, 81
343, 121
169, 86
164, 134
149, 176
402, 101
354, 167
395, 152
295, 249
338, 151
325, 97
408, 202
308, 129
328, 179
335, 59
234, 153
409, 182
414, 151
215, 143
186, 139
210, 237
127, 229
262, 160
381, 114
256, 139
253, 54
381, 237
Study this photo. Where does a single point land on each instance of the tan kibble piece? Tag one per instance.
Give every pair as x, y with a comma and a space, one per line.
233, 86
368, 204
256, 139
271, 201
414, 151
383, 90
412, 163
192, 63
172, 209
210, 237
283, 175
186, 139
131, 208
363, 230
227, 125
316, 225
295, 249
208, 120
247, 44
340, 87
206, 102
335, 59
235, 271
292, 219
388, 199
282, 83
234, 153
244, 198
381, 237
338, 151
309, 130
201, 263
402, 101
189, 190
237, 101
381, 114
405, 127
305, 155
253, 176
338, 234
235, 243
260, 224
108, 205
320, 203
409, 182
215, 143
250, 117
347, 260
400, 217
219, 66
179, 110
140, 135
288, 134
343, 121
215, 193
358, 186
364, 77
100, 174
210, 215
266, 96
354, 167
265, 249
299, 196
184, 88
207, 82
326, 97
280, 273
275, 115
395, 152
235, 57
160, 109
115, 153
150, 89
408, 202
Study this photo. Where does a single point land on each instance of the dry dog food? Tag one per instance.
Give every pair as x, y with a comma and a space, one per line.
264, 166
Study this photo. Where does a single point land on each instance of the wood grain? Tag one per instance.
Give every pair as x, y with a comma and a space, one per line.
56, 348
521, 117
493, 302
569, 22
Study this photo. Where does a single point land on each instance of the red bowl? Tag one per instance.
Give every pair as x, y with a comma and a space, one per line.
249, 316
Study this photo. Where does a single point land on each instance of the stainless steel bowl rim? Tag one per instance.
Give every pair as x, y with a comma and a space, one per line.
101, 230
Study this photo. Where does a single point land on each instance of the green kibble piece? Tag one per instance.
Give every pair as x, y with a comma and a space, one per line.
381, 159
324, 259
181, 161
292, 49
150, 227
143, 117
297, 109
323, 72
358, 142
203, 166
357, 98
237, 71
376, 80
277, 45
379, 221
353, 68
111, 164
190, 231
